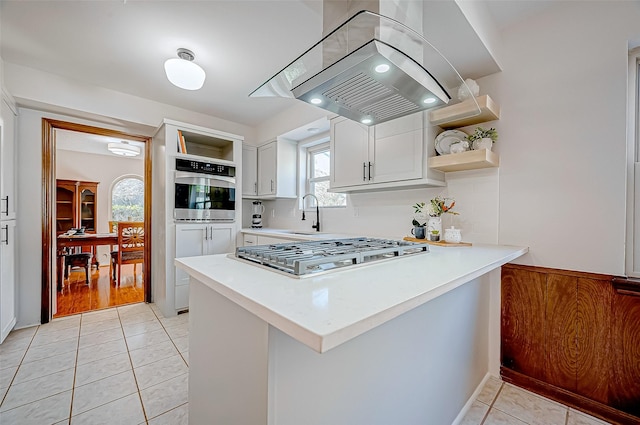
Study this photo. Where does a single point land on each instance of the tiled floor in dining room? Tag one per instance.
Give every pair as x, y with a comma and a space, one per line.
124, 365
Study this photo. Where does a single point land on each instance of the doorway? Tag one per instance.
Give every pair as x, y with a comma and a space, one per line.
55, 131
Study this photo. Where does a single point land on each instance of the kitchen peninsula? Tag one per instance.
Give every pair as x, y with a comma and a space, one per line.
405, 340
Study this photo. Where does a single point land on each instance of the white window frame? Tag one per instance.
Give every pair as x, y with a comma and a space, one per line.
632, 251
113, 185
310, 151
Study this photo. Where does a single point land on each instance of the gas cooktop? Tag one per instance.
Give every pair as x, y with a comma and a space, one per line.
311, 257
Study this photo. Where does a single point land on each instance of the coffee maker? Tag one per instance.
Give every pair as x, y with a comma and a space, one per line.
256, 215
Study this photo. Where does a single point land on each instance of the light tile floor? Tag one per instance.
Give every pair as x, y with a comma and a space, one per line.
500, 403
129, 365
125, 365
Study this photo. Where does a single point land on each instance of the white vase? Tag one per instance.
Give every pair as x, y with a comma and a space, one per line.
434, 223
484, 143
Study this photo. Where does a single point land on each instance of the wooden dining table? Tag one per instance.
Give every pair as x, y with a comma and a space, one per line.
87, 239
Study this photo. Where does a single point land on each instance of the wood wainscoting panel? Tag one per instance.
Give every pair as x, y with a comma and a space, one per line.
625, 388
573, 337
593, 337
560, 331
522, 324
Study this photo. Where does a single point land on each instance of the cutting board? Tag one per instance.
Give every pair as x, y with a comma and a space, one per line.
439, 243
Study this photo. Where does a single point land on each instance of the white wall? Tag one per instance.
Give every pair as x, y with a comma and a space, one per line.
389, 214
105, 169
563, 94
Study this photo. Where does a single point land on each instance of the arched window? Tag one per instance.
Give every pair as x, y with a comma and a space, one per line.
127, 199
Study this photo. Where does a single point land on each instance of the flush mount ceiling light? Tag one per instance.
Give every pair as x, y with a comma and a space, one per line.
123, 149
183, 72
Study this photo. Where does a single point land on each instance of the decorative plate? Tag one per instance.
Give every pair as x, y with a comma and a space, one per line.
446, 138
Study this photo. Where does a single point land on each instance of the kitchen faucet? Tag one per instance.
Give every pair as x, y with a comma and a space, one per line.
317, 225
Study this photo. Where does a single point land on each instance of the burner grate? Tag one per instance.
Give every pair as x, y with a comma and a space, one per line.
302, 258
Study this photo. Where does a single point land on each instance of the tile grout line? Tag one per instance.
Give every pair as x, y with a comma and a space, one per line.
486, 415
170, 337
75, 371
135, 378
4, 397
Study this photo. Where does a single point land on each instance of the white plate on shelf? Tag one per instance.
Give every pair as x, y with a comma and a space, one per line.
447, 138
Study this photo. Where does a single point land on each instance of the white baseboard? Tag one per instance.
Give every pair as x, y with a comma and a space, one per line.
473, 397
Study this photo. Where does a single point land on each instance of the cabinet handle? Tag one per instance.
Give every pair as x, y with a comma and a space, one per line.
272, 185
255, 187
369, 170
364, 171
210, 232
6, 199
6, 234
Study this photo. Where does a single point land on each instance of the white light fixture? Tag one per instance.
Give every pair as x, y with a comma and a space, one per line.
123, 149
316, 101
382, 68
366, 121
429, 100
184, 73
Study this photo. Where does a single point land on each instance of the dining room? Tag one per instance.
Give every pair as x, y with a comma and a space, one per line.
99, 222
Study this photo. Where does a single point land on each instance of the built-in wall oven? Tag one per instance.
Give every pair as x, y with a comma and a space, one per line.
204, 191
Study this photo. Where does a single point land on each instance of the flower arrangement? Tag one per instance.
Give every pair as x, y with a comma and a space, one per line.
481, 133
435, 208
438, 206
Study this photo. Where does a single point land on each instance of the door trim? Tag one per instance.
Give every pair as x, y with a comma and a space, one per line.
48, 186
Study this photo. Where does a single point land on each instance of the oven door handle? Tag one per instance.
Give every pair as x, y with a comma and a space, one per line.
194, 177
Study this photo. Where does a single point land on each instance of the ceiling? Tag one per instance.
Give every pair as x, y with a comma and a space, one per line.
122, 45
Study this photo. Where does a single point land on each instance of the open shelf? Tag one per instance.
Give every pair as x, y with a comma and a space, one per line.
464, 113
469, 160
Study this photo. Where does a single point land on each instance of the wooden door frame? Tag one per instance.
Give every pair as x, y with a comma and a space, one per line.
49, 126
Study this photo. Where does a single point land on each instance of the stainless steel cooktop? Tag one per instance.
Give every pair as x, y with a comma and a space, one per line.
310, 257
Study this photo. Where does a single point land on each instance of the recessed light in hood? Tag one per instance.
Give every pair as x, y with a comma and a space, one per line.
371, 69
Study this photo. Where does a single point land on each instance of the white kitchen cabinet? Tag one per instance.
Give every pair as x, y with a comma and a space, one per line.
267, 163
201, 144
250, 240
349, 147
7, 277
277, 169
8, 161
7, 216
249, 171
388, 155
199, 239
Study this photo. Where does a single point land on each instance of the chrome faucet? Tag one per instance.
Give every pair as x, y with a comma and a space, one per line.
317, 225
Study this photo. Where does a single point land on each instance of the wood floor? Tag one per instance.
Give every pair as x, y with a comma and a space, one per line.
76, 297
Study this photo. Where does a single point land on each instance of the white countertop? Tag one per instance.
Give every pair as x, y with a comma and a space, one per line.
327, 310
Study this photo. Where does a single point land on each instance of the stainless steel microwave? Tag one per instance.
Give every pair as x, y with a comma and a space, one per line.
205, 196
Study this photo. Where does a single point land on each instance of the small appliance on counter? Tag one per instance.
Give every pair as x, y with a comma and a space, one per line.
256, 215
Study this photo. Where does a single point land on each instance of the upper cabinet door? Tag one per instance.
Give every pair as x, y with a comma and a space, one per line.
349, 153
267, 163
8, 163
397, 150
249, 170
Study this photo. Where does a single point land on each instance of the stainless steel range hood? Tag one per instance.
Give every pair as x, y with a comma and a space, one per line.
370, 69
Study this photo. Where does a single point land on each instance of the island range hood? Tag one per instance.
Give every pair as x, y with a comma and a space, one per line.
370, 69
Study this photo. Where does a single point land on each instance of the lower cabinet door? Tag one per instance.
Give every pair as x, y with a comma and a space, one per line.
182, 296
7, 278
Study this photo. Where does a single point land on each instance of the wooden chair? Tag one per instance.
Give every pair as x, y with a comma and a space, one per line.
81, 259
130, 248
